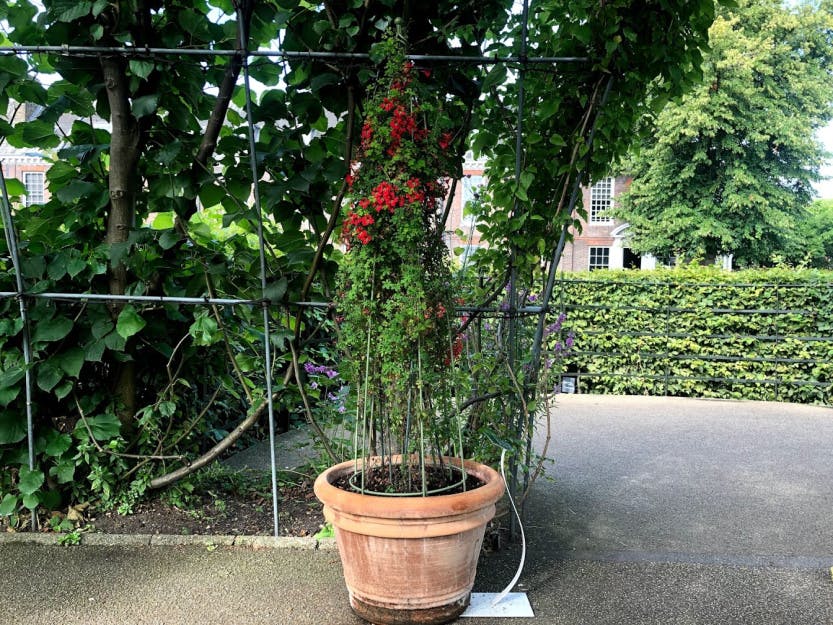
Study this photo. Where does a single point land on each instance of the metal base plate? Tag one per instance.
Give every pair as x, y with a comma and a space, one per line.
513, 605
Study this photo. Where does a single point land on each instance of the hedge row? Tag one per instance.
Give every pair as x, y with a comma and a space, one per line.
701, 332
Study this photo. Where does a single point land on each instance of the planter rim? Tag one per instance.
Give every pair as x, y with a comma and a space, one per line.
414, 507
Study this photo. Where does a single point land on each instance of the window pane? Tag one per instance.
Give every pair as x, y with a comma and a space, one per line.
34, 187
601, 200
599, 258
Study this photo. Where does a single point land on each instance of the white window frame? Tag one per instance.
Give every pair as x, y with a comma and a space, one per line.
601, 201
35, 183
598, 257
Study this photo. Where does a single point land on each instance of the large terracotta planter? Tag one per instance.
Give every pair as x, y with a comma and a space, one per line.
409, 560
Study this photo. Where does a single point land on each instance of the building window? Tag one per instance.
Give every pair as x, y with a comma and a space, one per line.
601, 201
599, 258
33, 181
472, 186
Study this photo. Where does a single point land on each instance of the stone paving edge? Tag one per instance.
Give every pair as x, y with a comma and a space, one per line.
178, 540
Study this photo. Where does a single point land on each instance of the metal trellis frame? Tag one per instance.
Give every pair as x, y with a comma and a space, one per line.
514, 313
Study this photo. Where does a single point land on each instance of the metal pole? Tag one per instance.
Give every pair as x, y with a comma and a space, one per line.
286, 54
11, 242
145, 299
244, 36
513, 269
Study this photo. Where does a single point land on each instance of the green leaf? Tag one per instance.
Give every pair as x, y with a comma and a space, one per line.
53, 329
15, 187
168, 239
70, 10
129, 322
142, 69
114, 341
94, 350
48, 375
75, 190
211, 194
57, 443
12, 426
11, 376
275, 291
204, 330
31, 501
36, 134
30, 481
63, 471
104, 426
145, 105
8, 505
70, 361
163, 221
75, 266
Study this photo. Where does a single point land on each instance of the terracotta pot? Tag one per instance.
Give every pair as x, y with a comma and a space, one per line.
409, 560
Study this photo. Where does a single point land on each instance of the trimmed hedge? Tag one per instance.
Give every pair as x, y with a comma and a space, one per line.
702, 332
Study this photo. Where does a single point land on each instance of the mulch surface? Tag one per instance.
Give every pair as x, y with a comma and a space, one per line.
299, 514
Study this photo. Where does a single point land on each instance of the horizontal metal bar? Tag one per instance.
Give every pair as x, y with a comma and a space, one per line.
698, 285
150, 299
721, 337
660, 378
288, 54
676, 309
688, 357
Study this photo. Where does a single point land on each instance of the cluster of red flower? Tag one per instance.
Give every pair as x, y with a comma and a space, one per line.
358, 224
385, 196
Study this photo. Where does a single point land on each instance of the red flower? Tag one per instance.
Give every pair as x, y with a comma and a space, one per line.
426, 73
367, 133
445, 140
349, 178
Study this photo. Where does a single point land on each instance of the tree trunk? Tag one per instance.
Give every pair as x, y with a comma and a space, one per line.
124, 157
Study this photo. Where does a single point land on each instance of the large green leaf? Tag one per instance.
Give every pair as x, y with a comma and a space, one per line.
12, 426
129, 322
63, 471
9, 504
37, 134
104, 426
30, 481
48, 375
70, 361
52, 329
145, 105
57, 443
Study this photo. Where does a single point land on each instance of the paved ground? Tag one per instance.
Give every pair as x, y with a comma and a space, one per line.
665, 511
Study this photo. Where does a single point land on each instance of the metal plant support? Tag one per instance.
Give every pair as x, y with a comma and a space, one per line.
514, 313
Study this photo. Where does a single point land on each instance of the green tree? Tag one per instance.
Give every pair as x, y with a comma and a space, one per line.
728, 168
816, 234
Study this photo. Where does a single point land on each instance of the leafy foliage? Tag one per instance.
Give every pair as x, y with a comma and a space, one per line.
728, 169
124, 393
765, 332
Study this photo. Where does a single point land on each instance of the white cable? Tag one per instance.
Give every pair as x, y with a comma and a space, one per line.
515, 579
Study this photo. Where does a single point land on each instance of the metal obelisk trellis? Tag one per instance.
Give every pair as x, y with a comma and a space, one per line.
514, 312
